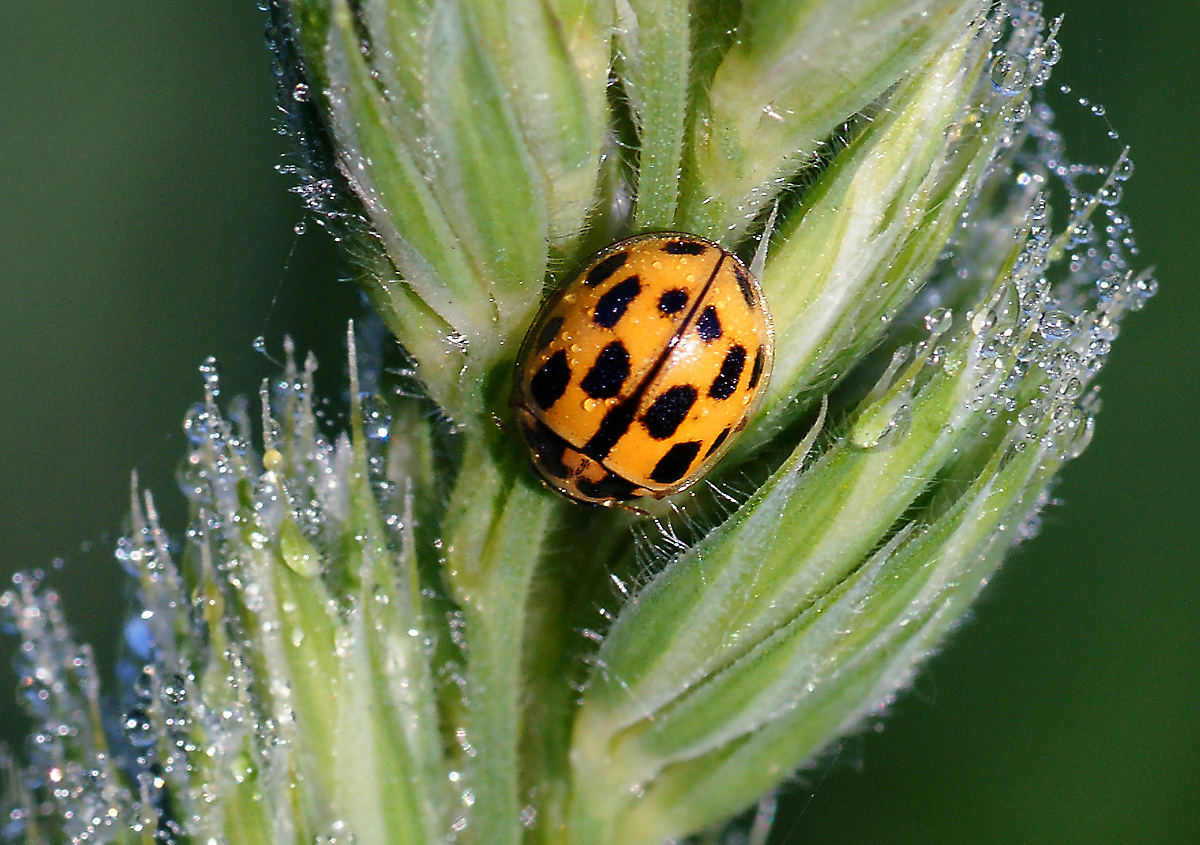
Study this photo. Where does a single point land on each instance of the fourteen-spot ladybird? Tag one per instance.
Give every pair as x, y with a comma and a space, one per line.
637, 376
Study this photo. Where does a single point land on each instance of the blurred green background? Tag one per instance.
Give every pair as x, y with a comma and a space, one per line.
143, 228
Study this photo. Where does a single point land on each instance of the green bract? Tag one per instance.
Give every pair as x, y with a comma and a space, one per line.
396, 634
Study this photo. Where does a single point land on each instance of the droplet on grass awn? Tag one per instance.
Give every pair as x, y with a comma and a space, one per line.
938, 321
1056, 325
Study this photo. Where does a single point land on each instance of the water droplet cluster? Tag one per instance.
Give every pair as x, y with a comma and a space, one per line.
75, 773
1029, 295
256, 643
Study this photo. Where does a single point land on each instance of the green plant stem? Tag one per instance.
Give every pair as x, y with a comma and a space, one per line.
489, 563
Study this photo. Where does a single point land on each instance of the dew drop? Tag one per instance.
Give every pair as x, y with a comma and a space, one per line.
138, 728
1108, 286
983, 320
1020, 111
1073, 389
528, 817
1051, 53
1083, 232
1084, 432
883, 426
937, 321
1123, 169
1056, 325
1009, 74
1032, 350
212, 379
1109, 195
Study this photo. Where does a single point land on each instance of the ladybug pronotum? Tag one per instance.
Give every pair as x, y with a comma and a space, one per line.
636, 377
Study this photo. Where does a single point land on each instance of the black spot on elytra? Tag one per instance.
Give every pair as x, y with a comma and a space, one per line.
612, 305
610, 487
669, 410
717, 443
726, 382
609, 372
709, 326
548, 332
549, 448
612, 428
743, 280
675, 464
672, 301
550, 381
684, 247
756, 371
605, 268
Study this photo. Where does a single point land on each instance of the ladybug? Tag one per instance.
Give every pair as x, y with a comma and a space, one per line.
636, 377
